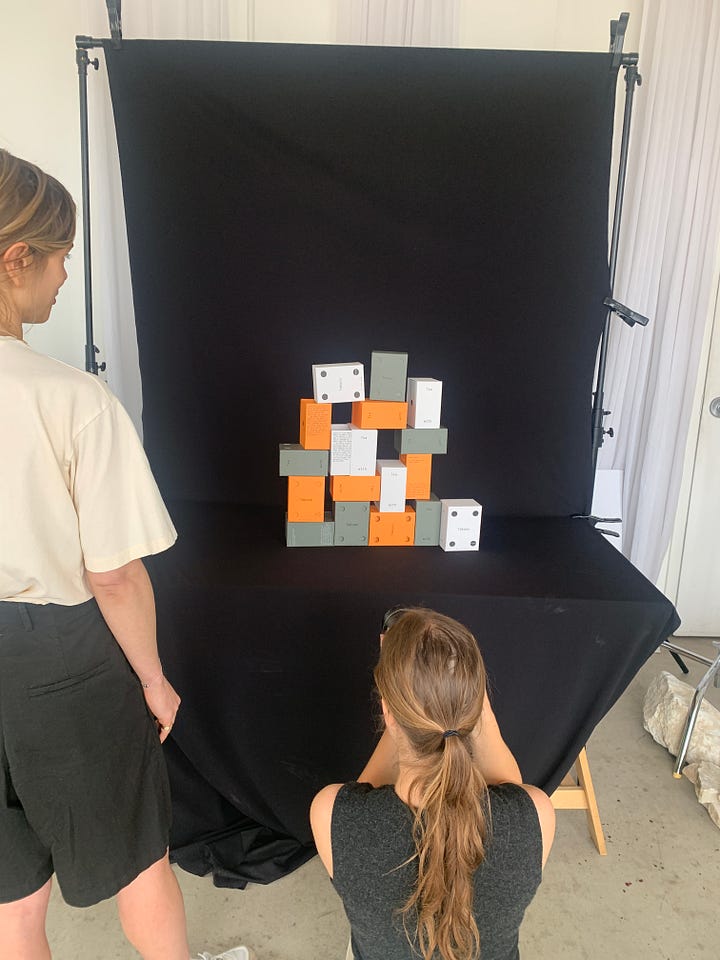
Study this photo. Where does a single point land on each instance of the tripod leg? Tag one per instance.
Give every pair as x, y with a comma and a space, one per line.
692, 715
679, 661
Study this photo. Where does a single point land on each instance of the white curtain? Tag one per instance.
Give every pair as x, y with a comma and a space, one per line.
667, 255
425, 23
112, 288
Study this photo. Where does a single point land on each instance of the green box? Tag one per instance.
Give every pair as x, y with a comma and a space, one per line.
320, 534
417, 440
388, 376
427, 521
297, 462
352, 523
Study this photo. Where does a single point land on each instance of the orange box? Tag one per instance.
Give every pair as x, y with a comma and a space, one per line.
306, 499
419, 473
380, 414
315, 425
355, 488
391, 529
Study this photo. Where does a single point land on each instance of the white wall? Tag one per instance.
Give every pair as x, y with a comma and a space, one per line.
38, 74
546, 24
39, 120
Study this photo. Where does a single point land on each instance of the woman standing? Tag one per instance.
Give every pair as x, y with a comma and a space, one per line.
437, 863
84, 704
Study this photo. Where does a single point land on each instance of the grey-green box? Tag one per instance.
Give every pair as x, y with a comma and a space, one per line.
352, 523
417, 440
427, 521
320, 534
297, 462
388, 376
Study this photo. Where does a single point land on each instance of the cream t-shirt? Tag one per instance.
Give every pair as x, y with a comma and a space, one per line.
76, 490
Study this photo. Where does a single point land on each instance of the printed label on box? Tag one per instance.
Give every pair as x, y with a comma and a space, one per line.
340, 449
315, 425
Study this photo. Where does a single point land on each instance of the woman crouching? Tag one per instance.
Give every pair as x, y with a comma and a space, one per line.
439, 863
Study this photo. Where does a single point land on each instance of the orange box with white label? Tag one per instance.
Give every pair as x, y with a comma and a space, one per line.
380, 414
419, 474
306, 499
315, 425
355, 488
391, 529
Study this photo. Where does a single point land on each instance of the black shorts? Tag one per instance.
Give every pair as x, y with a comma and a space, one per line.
83, 784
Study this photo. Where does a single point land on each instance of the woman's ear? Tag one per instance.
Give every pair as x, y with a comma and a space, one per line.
390, 721
15, 260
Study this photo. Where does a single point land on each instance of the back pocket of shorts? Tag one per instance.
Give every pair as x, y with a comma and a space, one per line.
67, 683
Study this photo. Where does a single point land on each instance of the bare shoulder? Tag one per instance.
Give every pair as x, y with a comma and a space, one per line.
546, 816
323, 802
321, 821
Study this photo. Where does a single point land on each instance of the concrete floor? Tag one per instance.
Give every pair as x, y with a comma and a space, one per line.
654, 897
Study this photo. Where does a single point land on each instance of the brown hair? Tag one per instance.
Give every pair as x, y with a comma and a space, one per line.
432, 679
35, 209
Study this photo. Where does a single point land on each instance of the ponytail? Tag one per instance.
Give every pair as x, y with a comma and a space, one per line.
432, 679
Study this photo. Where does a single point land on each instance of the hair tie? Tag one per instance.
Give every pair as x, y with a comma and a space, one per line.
450, 733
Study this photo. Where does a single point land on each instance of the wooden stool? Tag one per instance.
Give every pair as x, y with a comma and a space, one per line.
577, 793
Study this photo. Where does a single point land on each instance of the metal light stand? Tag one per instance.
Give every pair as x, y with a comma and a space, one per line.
632, 79
83, 61
712, 675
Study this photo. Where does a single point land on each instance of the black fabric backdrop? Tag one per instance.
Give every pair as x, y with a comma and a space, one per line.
292, 204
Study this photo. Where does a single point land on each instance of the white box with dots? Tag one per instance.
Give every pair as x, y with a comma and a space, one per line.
338, 382
460, 525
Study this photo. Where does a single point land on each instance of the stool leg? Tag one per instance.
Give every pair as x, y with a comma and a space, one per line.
593, 814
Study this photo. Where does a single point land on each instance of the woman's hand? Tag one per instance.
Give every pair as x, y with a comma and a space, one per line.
163, 702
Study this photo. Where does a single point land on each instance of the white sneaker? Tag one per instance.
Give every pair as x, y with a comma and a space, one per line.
236, 953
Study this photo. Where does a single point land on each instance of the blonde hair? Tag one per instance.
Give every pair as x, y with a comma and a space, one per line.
35, 209
432, 679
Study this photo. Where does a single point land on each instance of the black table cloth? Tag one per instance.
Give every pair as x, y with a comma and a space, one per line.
272, 650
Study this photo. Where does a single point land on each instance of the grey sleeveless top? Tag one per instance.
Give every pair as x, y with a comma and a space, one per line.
372, 836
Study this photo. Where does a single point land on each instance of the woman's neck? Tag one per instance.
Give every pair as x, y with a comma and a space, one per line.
403, 783
11, 327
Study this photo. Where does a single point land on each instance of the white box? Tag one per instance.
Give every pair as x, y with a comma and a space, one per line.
460, 525
340, 449
338, 382
424, 398
393, 484
363, 453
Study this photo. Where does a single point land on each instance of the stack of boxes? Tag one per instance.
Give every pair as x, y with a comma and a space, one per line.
375, 502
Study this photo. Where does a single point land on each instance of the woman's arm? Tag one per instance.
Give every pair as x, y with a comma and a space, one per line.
126, 601
497, 763
546, 816
321, 820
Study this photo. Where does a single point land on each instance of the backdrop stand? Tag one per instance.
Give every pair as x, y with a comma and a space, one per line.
632, 79
82, 45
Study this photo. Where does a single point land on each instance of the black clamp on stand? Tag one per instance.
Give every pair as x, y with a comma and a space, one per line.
594, 521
